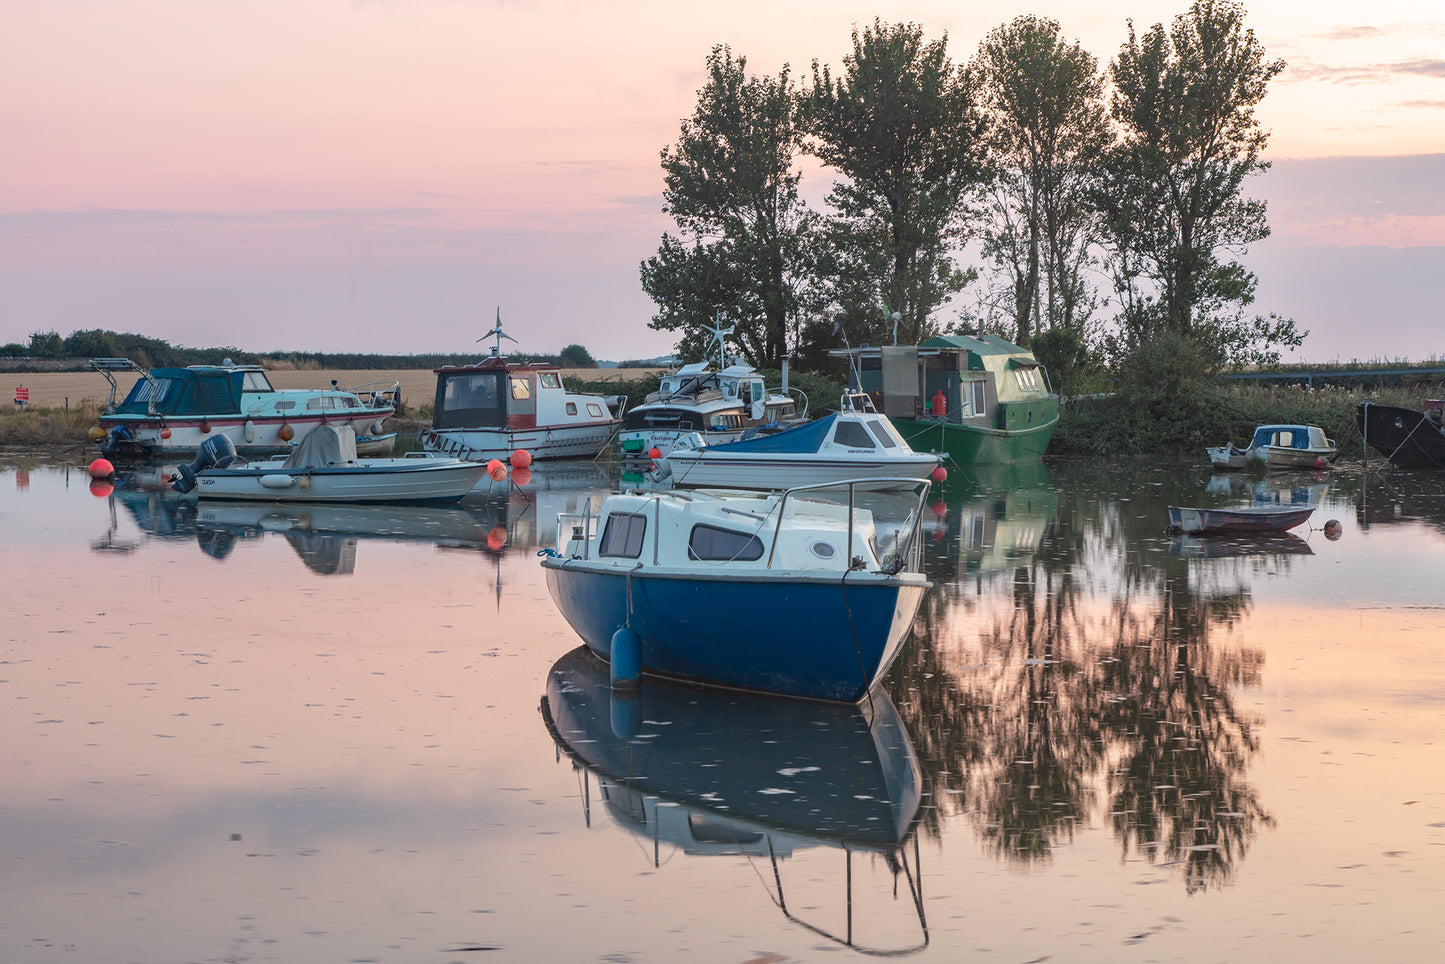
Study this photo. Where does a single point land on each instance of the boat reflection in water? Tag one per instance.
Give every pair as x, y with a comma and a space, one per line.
715, 772
326, 536
1221, 547
989, 518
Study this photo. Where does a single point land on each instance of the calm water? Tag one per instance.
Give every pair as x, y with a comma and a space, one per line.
247, 734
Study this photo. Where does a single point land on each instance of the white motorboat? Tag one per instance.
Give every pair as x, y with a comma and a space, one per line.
856, 442
325, 468
493, 408
1277, 447
171, 412
793, 593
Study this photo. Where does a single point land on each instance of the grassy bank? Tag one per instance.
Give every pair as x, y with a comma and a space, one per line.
1211, 412
54, 430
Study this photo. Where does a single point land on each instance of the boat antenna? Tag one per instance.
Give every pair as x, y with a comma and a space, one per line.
857, 382
498, 334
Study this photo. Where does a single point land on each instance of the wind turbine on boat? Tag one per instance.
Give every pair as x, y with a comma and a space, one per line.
498, 334
719, 333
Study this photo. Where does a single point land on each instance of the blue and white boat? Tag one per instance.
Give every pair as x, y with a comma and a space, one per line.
1277, 447
855, 442
793, 592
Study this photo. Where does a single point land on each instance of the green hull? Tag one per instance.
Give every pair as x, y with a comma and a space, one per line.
977, 445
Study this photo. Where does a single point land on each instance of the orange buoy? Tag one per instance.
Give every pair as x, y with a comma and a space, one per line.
205, 427
286, 432
496, 470
101, 469
165, 433
654, 453
521, 459
939, 474
521, 476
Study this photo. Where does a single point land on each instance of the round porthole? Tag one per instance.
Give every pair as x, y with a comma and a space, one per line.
823, 550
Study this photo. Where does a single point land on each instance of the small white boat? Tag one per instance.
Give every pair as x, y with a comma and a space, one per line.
1242, 519
493, 408
789, 593
1277, 447
325, 468
856, 442
171, 412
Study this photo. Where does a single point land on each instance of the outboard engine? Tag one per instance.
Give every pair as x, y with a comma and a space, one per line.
216, 452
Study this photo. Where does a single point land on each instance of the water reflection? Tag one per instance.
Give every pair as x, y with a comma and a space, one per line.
1398, 496
520, 512
718, 773
1096, 686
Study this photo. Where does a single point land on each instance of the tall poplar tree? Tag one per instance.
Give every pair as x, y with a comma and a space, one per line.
743, 256
899, 123
1172, 194
1048, 133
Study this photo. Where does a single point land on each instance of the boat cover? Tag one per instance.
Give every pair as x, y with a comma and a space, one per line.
1302, 436
322, 446
808, 437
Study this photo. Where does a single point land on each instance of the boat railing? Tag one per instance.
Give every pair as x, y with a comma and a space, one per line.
577, 527
908, 554
387, 390
107, 365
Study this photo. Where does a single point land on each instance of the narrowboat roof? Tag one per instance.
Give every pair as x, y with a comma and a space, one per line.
984, 344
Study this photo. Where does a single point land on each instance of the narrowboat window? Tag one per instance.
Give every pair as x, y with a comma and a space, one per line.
623, 535
549, 379
521, 386
884, 436
709, 543
1027, 379
853, 436
974, 398
571, 408
594, 409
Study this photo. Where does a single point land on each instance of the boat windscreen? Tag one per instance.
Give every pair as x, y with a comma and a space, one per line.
470, 400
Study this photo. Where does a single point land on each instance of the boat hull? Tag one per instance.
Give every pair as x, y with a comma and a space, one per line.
555, 442
1404, 436
1191, 520
976, 444
379, 480
143, 437
808, 634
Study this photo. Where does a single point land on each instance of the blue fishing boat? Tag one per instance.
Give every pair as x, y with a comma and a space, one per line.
791, 592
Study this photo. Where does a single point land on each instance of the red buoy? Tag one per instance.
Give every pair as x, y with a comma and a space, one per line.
496, 470
521, 459
521, 476
654, 453
101, 469
497, 538
939, 474
100, 488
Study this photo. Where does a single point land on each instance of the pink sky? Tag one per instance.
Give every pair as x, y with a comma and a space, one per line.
380, 175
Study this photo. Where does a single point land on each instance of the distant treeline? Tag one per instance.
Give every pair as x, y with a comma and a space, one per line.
48, 350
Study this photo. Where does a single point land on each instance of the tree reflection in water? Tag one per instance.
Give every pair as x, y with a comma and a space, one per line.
1088, 677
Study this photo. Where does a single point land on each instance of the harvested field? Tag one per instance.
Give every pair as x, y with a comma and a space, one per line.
418, 386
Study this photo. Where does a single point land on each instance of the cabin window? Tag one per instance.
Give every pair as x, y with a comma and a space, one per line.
470, 399
594, 409
255, 382
549, 379
711, 544
974, 398
884, 435
571, 408
853, 435
350, 401
1027, 379
623, 535
285, 406
521, 387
